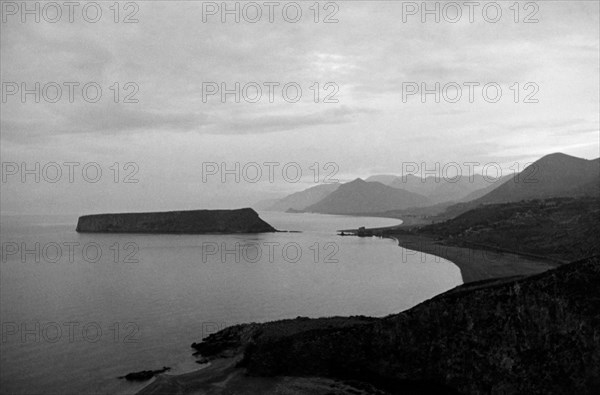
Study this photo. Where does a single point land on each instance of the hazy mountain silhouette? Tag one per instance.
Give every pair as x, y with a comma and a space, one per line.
484, 191
554, 175
361, 197
441, 189
385, 179
265, 204
303, 199
438, 189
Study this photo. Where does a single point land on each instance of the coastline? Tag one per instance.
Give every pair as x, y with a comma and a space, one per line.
223, 376
475, 264
283, 357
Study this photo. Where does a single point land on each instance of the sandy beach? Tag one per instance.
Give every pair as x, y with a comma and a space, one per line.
475, 264
222, 377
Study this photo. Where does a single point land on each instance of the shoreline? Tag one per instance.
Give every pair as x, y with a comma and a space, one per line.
475, 264
196, 380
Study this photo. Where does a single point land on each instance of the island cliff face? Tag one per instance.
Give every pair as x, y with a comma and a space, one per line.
244, 220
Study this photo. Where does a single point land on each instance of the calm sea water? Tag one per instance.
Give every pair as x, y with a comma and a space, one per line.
78, 310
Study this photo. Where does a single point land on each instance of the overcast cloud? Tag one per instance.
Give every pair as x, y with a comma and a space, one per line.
368, 54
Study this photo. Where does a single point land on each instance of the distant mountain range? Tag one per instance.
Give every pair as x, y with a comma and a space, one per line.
484, 191
361, 197
300, 200
554, 175
436, 189
440, 190
386, 179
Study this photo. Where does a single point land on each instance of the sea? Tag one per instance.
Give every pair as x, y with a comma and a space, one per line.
79, 310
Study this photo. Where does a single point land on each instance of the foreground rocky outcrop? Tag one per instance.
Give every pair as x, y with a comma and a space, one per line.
524, 335
144, 374
244, 220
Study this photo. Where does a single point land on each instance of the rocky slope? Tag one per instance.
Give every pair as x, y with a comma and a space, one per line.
484, 191
562, 229
243, 220
554, 175
525, 335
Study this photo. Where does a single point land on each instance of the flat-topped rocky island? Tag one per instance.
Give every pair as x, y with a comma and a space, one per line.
244, 220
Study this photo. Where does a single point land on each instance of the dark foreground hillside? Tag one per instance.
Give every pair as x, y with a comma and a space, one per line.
526, 335
563, 229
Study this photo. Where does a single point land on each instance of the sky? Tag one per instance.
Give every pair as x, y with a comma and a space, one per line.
159, 137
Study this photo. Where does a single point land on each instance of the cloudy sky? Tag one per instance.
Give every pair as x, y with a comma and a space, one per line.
368, 56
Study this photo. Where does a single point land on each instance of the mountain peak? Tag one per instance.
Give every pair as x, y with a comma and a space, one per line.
554, 175
358, 181
362, 197
559, 158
